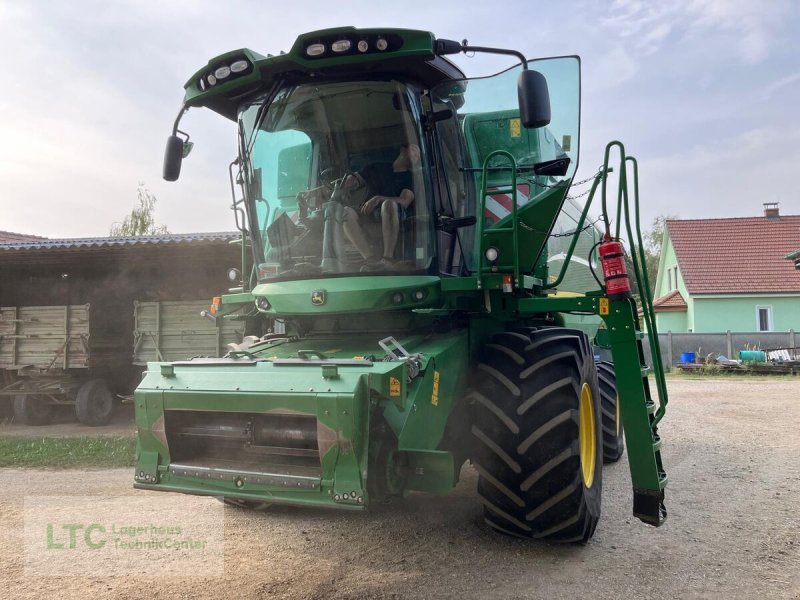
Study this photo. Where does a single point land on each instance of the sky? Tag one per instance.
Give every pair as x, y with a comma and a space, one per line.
705, 93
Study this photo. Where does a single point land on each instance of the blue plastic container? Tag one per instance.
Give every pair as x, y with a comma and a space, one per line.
688, 357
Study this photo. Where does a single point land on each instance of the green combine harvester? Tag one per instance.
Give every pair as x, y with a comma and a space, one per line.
404, 309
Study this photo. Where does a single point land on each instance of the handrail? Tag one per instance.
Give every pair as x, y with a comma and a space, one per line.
636, 246
647, 298
481, 217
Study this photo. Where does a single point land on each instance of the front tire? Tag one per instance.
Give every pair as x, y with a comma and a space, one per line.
538, 444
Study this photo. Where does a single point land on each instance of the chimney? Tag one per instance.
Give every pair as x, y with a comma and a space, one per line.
771, 210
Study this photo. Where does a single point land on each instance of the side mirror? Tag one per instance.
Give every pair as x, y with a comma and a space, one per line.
173, 156
534, 99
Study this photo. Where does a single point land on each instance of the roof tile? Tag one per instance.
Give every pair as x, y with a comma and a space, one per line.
737, 255
671, 302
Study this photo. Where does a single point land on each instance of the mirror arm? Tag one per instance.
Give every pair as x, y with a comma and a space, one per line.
184, 109
519, 55
452, 47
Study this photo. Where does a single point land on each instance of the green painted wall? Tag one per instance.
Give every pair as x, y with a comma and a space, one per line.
671, 321
738, 313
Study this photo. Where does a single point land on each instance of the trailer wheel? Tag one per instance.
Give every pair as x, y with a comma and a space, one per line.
6, 408
537, 434
32, 409
613, 442
94, 404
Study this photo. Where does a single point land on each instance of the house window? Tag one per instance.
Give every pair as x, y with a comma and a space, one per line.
675, 271
764, 318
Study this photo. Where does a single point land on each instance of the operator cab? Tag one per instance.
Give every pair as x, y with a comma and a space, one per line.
317, 153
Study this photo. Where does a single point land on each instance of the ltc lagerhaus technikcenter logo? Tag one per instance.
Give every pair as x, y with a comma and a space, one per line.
95, 536
124, 535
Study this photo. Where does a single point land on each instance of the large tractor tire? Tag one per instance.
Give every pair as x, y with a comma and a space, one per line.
538, 443
613, 442
94, 404
32, 409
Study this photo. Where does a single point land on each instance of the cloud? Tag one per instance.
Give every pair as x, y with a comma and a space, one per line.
771, 89
730, 176
614, 68
748, 26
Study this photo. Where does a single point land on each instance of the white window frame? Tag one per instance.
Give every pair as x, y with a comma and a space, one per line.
770, 323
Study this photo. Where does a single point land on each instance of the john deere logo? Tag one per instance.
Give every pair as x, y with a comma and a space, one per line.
318, 297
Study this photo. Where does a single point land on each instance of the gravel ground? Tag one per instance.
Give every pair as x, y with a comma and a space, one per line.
732, 451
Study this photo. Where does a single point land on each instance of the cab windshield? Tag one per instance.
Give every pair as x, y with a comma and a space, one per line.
336, 180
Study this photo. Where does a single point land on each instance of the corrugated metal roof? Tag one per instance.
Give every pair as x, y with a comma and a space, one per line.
178, 239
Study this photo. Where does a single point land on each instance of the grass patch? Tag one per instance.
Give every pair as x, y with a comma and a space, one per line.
66, 453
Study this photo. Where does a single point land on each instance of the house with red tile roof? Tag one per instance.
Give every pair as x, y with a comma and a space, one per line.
9, 237
731, 274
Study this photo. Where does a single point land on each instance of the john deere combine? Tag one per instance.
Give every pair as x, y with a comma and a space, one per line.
407, 315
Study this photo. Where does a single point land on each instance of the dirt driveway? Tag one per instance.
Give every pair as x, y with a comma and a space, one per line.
732, 450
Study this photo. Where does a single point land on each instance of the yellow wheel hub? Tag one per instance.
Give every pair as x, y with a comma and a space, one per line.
587, 435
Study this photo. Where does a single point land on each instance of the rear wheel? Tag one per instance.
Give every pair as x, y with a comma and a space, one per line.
32, 409
94, 404
537, 435
613, 442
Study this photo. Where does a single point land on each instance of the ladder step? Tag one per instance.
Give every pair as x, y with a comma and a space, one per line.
640, 335
646, 370
656, 442
651, 407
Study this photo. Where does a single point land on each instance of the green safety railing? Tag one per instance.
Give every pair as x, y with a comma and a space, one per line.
636, 247
512, 228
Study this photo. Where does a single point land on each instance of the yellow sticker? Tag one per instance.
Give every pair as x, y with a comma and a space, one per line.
603, 306
435, 394
515, 127
394, 387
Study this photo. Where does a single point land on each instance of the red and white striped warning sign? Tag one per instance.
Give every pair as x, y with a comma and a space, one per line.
499, 206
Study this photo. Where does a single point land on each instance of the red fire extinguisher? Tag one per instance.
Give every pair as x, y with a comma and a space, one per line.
615, 272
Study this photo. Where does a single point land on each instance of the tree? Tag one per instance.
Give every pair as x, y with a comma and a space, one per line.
141, 221
652, 247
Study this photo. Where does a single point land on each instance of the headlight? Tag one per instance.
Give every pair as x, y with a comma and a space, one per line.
234, 274
363, 46
341, 45
262, 303
315, 49
239, 66
381, 44
491, 254
222, 72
